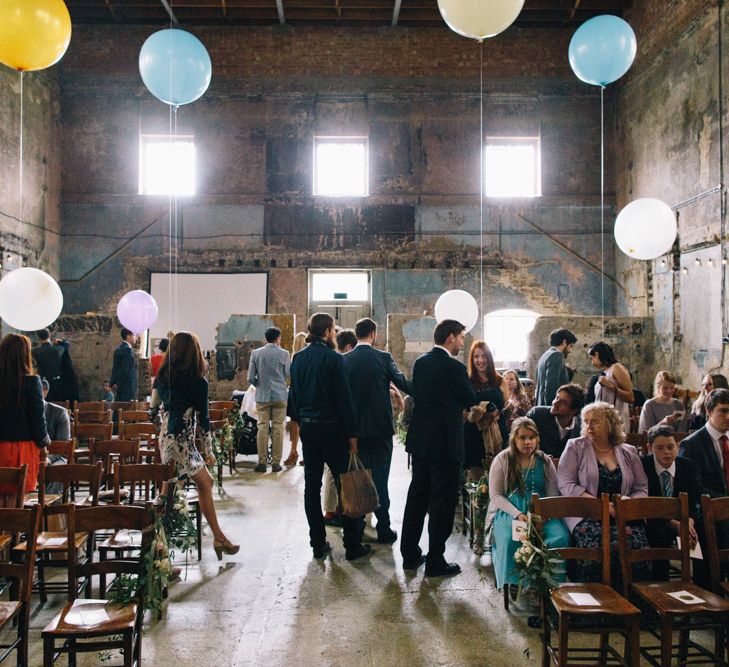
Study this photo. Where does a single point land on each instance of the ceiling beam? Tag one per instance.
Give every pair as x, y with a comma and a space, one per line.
280, 10
396, 12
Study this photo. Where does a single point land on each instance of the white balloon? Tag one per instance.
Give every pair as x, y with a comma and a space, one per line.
479, 19
645, 228
456, 304
30, 299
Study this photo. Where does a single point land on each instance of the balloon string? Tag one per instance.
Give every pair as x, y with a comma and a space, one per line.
174, 153
602, 208
482, 157
20, 173
169, 231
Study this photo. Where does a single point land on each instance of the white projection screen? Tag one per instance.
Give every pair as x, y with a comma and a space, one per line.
204, 300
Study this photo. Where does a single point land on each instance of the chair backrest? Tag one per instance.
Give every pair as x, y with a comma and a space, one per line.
562, 507
217, 424
133, 416
148, 476
64, 448
92, 416
217, 414
715, 510
70, 475
15, 477
84, 432
143, 430
90, 406
120, 405
224, 405
27, 522
125, 451
652, 507
638, 440
108, 518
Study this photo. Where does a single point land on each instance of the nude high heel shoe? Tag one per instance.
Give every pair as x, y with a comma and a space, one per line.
225, 546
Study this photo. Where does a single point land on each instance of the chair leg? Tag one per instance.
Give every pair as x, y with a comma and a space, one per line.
683, 640
604, 637
128, 650
666, 641
564, 634
23, 625
48, 650
632, 642
506, 597
546, 633
71, 653
42, 580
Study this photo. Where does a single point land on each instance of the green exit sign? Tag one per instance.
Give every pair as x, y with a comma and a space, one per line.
340, 295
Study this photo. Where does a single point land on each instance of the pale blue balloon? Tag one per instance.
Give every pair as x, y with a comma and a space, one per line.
175, 66
602, 50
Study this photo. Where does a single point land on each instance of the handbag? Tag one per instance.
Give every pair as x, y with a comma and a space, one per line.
357, 490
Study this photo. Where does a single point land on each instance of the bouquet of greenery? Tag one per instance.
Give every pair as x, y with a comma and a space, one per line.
539, 570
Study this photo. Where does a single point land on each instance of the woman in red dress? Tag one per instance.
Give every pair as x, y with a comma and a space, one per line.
23, 435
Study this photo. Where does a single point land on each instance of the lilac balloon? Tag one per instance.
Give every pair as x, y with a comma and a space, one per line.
137, 311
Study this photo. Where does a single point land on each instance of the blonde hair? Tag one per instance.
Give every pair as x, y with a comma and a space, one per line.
519, 391
299, 343
616, 432
661, 377
514, 479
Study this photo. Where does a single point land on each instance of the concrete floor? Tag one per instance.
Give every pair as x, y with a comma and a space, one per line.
273, 604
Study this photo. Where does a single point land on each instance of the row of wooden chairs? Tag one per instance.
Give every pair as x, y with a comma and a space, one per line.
86, 406
597, 608
82, 623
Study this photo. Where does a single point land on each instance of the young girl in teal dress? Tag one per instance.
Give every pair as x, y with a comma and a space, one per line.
516, 473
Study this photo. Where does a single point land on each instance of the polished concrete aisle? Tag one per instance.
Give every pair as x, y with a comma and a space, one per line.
273, 604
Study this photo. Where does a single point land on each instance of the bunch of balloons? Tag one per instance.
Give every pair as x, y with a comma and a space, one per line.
175, 66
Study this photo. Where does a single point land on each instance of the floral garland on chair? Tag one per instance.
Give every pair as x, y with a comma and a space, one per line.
538, 569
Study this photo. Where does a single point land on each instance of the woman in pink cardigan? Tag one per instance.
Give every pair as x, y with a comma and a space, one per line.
600, 462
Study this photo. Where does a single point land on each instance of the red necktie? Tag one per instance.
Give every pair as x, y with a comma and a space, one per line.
724, 442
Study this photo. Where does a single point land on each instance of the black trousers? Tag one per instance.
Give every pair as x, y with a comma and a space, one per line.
376, 454
433, 491
325, 443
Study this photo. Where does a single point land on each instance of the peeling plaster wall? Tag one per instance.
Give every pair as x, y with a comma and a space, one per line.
668, 147
36, 241
419, 228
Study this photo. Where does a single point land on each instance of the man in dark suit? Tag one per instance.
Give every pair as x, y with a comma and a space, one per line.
124, 369
708, 451
668, 475
48, 359
321, 403
441, 392
370, 373
551, 370
560, 422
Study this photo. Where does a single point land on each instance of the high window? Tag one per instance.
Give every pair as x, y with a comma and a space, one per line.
507, 334
166, 165
341, 167
512, 167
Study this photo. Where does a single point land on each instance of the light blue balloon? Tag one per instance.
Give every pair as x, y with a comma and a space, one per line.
175, 66
602, 50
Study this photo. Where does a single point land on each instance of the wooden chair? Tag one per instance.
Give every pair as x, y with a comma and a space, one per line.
716, 511
223, 405
64, 448
107, 452
120, 405
711, 613
85, 432
14, 477
92, 417
133, 416
638, 440
91, 406
612, 613
16, 610
217, 414
82, 623
141, 430
50, 545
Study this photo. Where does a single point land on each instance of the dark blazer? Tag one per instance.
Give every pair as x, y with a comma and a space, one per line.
685, 480
551, 374
370, 372
441, 391
124, 372
708, 469
47, 358
549, 439
26, 421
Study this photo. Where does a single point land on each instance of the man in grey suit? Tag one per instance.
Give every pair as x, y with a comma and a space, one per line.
551, 370
268, 372
370, 373
58, 425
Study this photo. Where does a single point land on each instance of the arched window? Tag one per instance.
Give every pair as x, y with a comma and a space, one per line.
506, 333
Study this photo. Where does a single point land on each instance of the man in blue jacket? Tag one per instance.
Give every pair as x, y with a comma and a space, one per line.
124, 370
370, 373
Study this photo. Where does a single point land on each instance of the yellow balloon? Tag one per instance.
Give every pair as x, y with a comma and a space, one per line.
34, 34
